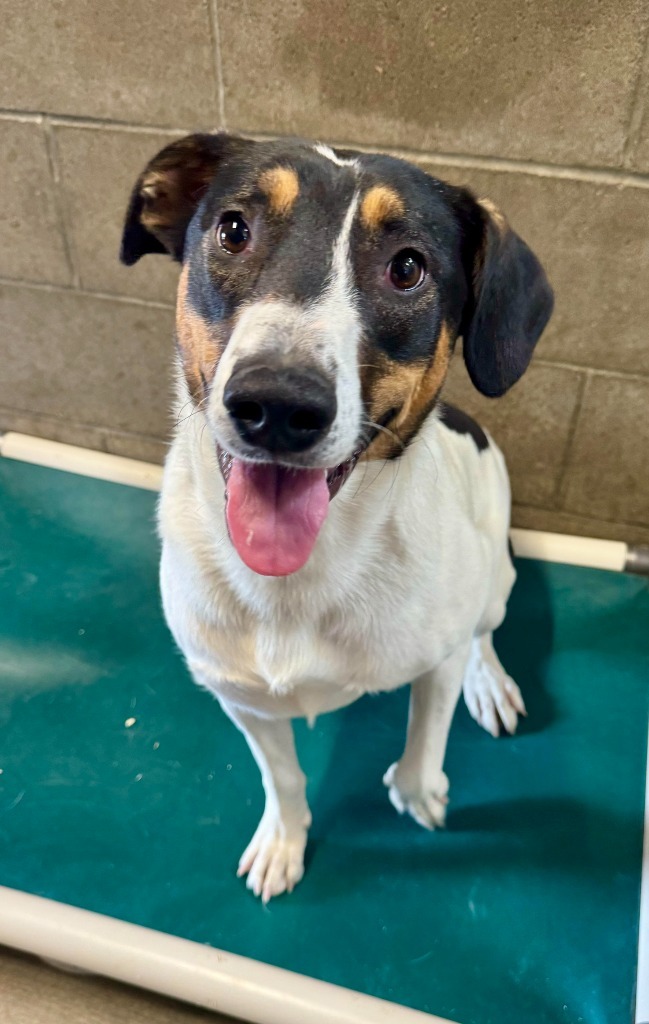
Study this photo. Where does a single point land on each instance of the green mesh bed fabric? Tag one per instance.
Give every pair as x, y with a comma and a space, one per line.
125, 790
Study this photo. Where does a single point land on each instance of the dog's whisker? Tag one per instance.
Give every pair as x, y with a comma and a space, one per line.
361, 480
198, 408
422, 440
386, 430
181, 411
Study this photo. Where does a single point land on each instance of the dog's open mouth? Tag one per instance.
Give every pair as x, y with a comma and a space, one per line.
275, 513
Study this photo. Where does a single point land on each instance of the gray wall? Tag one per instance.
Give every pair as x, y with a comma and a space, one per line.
542, 106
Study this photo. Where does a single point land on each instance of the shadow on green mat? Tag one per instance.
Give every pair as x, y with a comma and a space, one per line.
531, 621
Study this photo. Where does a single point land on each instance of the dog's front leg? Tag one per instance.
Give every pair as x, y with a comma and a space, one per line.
417, 783
274, 859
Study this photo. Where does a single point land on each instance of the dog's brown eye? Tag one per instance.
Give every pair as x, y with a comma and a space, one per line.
406, 270
233, 233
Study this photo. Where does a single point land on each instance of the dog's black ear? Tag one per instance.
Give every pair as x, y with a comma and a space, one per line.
167, 193
510, 299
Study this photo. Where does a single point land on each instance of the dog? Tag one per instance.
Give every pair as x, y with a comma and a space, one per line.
329, 527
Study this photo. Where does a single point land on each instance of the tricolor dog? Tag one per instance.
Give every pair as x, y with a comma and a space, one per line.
329, 527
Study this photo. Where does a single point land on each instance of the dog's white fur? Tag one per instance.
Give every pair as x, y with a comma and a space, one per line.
408, 578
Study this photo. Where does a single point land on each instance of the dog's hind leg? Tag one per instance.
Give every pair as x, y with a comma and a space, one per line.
417, 783
492, 697
274, 859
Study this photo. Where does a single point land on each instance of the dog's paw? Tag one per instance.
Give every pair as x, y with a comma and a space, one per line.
493, 698
274, 859
424, 802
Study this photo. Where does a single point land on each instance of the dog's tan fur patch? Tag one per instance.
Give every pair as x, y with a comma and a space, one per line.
410, 389
282, 186
379, 205
200, 345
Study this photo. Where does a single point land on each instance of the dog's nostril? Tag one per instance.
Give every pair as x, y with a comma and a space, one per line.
304, 420
248, 412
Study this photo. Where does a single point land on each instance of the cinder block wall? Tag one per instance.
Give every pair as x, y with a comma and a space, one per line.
542, 106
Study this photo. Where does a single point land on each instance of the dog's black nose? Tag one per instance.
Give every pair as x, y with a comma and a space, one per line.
280, 410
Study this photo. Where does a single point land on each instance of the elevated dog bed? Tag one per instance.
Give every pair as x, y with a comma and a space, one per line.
126, 798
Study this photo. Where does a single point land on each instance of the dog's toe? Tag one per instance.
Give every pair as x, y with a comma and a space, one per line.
493, 699
274, 860
430, 812
283, 872
423, 801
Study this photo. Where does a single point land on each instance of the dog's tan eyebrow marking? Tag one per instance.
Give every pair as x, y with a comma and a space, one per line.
282, 186
380, 204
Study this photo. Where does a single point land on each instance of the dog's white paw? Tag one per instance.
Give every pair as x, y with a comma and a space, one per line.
274, 858
492, 697
426, 803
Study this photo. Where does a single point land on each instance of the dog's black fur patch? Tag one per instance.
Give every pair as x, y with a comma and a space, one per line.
461, 423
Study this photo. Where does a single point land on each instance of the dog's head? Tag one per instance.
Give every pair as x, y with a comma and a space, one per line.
319, 301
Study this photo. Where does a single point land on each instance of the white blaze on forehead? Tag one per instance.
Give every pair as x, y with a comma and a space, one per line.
341, 268
336, 306
336, 318
340, 161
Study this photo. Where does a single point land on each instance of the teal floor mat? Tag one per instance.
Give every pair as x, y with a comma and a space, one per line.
125, 790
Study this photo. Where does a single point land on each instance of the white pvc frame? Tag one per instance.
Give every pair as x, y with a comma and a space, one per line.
190, 971
212, 978
84, 461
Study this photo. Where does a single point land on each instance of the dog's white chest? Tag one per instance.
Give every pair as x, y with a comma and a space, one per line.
400, 574
375, 639
355, 656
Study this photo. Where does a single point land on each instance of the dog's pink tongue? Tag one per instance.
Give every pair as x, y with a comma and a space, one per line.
274, 515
